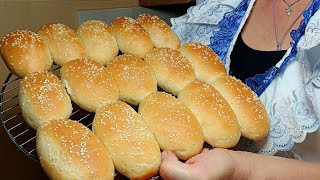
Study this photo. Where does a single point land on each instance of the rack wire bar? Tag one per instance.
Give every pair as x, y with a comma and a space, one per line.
12, 117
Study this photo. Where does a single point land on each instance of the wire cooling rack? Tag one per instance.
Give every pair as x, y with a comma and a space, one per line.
20, 132
11, 117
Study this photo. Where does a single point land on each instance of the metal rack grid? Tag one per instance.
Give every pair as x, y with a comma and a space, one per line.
11, 117
20, 132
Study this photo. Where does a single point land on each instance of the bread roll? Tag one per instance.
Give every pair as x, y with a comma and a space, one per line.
134, 78
131, 37
173, 71
64, 43
248, 108
24, 52
217, 119
88, 83
42, 97
206, 62
69, 150
133, 149
174, 126
99, 41
159, 31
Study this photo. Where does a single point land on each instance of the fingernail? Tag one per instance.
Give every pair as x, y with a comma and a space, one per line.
164, 155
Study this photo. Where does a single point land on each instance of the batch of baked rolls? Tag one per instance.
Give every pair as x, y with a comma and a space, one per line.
149, 93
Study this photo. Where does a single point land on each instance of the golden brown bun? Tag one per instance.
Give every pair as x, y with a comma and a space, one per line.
159, 31
173, 124
42, 97
173, 71
24, 52
131, 37
99, 41
134, 78
64, 43
206, 62
88, 83
69, 150
217, 119
251, 114
133, 149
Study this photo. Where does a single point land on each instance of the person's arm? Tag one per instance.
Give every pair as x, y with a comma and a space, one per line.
226, 164
255, 166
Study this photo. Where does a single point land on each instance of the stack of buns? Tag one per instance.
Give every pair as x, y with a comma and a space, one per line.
24, 52
205, 62
64, 43
246, 105
173, 71
69, 150
129, 71
42, 97
173, 124
132, 146
131, 37
89, 83
159, 31
183, 94
215, 115
99, 40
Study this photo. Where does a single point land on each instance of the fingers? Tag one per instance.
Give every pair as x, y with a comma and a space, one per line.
205, 150
198, 157
171, 168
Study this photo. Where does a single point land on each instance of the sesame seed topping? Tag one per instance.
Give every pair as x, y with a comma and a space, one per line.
22, 39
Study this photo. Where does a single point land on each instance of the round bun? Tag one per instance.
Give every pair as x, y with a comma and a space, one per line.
88, 83
134, 78
133, 149
251, 114
25, 52
159, 31
131, 37
216, 117
173, 125
173, 71
206, 62
64, 43
69, 150
42, 97
99, 41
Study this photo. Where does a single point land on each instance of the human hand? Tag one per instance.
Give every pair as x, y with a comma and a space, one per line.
209, 164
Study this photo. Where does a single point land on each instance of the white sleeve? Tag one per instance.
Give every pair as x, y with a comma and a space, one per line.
309, 47
293, 97
200, 20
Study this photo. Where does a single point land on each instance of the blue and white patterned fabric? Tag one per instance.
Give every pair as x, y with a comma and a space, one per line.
290, 90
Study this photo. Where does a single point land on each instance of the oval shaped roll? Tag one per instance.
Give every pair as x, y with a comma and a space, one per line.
25, 52
133, 149
88, 83
64, 43
159, 31
134, 78
216, 117
99, 40
173, 71
69, 150
42, 97
173, 124
205, 62
251, 114
131, 37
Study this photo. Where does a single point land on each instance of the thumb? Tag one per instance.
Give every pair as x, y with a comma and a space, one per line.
171, 168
